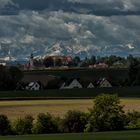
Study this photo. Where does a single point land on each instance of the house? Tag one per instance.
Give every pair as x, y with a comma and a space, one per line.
2, 64
104, 83
33, 86
90, 85
43, 78
72, 84
100, 66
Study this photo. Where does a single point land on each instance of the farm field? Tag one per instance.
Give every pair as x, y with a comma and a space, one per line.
124, 135
14, 109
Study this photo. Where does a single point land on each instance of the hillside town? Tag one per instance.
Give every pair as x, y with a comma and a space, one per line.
65, 72
46, 62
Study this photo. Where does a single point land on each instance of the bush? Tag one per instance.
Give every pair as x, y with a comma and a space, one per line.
74, 122
46, 123
133, 120
23, 126
106, 114
5, 127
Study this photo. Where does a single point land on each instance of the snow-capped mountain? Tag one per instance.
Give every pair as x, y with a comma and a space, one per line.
60, 49
69, 27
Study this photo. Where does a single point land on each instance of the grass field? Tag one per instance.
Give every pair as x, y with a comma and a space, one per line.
124, 135
15, 109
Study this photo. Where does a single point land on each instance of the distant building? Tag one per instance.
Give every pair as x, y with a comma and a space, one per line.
104, 83
31, 62
2, 63
42, 78
53, 61
90, 85
99, 66
29, 65
70, 85
33, 86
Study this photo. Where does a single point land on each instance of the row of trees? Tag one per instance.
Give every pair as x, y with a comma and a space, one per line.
106, 115
134, 71
76, 61
9, 77
130, 62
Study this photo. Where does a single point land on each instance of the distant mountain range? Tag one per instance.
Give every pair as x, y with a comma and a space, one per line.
60, 49
69, 27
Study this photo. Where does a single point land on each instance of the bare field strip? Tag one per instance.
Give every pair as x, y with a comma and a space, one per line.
14, 109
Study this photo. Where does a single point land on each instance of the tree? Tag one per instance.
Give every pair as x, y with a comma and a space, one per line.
76, 60
49, 62
93, 60
45, 124
23, 126
58, 62
133, 120
5, 126
106, 114
9, 77
134, 72
15, 77
74, 122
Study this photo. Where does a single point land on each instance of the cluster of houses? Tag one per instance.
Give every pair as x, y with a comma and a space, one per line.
71, 84
102, 83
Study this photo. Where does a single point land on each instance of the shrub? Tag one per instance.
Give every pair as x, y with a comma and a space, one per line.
23, 126
133, 120
5, 126
106, 114
74, 122
46, 123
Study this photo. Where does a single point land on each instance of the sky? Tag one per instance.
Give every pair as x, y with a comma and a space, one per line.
71, 27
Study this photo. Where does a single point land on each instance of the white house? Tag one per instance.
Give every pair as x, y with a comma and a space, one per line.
74, 84
105, 83
33, 86
90, 85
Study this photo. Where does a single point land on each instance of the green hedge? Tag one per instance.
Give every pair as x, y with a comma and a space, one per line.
73, 93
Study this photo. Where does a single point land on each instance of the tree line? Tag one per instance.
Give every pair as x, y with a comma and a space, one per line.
106, 115
9, 77
76, 61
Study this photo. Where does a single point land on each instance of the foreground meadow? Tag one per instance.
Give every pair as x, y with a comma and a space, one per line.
14, 109
124, 135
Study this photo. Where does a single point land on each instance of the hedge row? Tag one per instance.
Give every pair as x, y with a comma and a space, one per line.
72, 93
74, 121
106, 115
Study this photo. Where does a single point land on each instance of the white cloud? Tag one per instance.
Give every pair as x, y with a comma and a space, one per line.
4, 3
32, 30
120, 5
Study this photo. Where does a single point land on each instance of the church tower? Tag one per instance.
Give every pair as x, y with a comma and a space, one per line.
31, 62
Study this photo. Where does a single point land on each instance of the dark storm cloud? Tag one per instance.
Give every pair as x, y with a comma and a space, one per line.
101, 26
95, 7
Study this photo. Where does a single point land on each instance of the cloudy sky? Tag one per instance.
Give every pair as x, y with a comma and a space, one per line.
78, 27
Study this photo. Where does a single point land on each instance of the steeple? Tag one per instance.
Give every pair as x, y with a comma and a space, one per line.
31, 63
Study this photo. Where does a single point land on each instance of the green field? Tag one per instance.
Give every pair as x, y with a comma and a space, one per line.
125, 135
16, 108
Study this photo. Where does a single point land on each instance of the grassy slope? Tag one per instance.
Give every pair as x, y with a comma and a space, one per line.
125, 135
